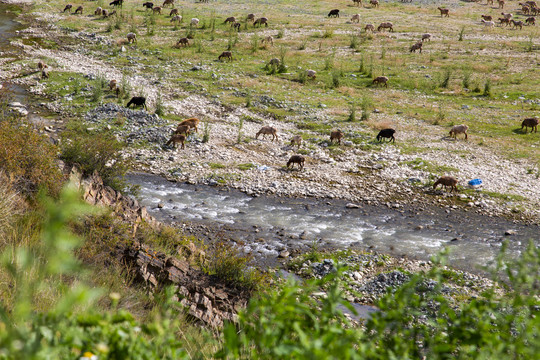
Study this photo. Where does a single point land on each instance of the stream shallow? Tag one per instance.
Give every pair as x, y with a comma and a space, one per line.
265, 225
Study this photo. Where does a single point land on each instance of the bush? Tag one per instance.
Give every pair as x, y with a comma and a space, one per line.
226, 262
92, 152
28, 159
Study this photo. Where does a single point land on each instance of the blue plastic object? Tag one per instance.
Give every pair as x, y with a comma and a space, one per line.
475, 182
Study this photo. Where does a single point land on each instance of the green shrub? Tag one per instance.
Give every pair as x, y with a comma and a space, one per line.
206, 132
92, 152
28, 159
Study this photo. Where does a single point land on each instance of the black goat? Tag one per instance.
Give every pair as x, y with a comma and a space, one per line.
334, 13
116, 3
386, 133
137, 101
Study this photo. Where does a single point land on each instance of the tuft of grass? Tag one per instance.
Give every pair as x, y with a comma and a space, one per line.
213, 165
446, 78
280, 34
303, 44
461, 33
240, 132
206, 132
487, 88
160, 108
245, 167
254, 43
352, 112
328, 33
366, 105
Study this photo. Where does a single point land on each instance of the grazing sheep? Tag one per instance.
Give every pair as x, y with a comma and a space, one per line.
182, 42
459, 129
116, 3
131, 37
417, 46
296, 140
148, 5
268, 40
445, 12
426, 37
386, 133
157, 9
98, 11
530, 21
374, 3
355, 18
296, 159
446, 181
44, 74
177, 18
250, 17
182, 129
487, 17
369, 27
333, 13
260, 22
381, 80
504, 21
386, 25
517, 24
168, 2
530, 122
68, 7
194, 22
41, 65
525, 9
79, 10
336, 135
501, 4
488, 24
137, 101
508, 16
231, 20
311, 74
191, 122
113, 85
226, 55
105, 13
173, 12
267, 130
177, 138
236, 26
274, 62
358, 2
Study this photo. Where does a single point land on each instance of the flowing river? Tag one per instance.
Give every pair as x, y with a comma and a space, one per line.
284, 223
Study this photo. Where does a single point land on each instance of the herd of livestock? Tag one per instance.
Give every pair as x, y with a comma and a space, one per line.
528, 8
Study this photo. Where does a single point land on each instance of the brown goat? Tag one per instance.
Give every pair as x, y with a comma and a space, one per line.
41, 65
358, 2
459, 129
530, 21
168, 2
44, 74
504, 21
236, 26
157, 9
113, 85
337, 136
231, 20
446, 181
182, 42
268, 40
79, 10
176, 18
98, 11
174, 12
296, 159
417, 46
176, 138
381, 80
296, 140
260, 22
445, 12
517, 24
369, 27
501, 4
182, 129
250, 17
374, 3
386, 25
131, 37
267, 130
487, 17
225, 55
355, 18
68, 7
530, 122
191, 122
426, 37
